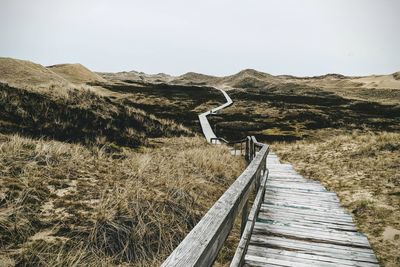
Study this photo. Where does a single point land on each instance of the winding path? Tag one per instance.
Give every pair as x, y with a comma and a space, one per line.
294, 221
205, 125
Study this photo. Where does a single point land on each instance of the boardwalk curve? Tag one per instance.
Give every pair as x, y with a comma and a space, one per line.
205, 125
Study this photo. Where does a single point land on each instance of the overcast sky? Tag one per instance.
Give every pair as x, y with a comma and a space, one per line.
299, 37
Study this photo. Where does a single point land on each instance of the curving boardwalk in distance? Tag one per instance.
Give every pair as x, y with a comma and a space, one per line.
205, 125
293, 222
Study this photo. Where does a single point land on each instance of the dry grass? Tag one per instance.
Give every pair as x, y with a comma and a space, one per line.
66, 204
363, 169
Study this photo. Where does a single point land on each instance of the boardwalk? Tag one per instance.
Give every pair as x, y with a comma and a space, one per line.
302, 224
205, 125
293, 221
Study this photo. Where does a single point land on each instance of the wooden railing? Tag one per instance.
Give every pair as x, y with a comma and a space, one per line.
236, 145
202, 245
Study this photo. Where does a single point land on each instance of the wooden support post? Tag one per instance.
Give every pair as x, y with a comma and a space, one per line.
247, 152
245, 213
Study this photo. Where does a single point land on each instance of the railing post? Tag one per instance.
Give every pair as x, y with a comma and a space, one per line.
252, 149
247, 152
245, 213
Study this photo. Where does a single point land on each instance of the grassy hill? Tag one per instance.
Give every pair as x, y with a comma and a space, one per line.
76, 73
92, 176
25, 73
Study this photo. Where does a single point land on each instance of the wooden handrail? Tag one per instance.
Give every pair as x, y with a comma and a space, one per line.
227, 142
202, 245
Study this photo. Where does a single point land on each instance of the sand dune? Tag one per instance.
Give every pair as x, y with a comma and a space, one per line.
135, 77
26, 73
76, 73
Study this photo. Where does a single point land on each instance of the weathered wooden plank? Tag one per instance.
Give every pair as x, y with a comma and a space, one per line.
278, 202
285, 219
289, 180
270, 210
322, 231
299, 194
300, 191
316, 201
281, 165
304, 209
296, 184
296, 256
264, 265
290, 184
282, 171
277, 186
290, 217
314, 248
309, 207
331, 236
292, 179
261, 262
275, 216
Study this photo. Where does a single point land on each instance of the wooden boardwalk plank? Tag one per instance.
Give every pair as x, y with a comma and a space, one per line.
282, 219
272, 210
272, 215
307, 207
315, 201
303, 192
303, 198
332, 236
300, 223
295, 256
315, 248
266, 261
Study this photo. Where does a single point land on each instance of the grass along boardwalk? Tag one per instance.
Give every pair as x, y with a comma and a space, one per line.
293, 221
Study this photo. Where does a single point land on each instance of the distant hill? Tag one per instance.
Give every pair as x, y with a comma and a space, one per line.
135, 77
76, 73
249, 78
195, 78
26, 73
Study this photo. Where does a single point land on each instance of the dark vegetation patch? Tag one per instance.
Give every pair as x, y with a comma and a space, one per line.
174, 102
80, 116
288, 112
